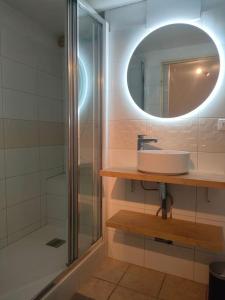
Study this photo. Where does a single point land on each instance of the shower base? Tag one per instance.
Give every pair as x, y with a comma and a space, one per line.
28, 265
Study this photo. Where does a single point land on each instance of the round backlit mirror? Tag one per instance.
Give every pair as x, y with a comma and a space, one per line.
173, 70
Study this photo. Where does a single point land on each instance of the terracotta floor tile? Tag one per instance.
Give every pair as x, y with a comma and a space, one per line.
125, 294
176, 288
111, 270
97, 289
80, 297
143, 280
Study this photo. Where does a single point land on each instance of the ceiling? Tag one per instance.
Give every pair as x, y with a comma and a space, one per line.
103, 5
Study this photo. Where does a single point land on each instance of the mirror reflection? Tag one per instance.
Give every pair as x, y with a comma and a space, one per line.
173, 70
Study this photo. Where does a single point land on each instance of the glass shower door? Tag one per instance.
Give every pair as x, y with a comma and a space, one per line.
85, 139
89, 128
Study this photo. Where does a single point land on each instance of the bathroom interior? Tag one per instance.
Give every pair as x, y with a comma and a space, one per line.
112, 150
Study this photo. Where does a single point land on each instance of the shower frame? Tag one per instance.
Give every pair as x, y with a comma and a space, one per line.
73, 130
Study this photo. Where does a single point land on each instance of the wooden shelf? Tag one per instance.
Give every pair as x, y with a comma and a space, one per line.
203, 236
193, 178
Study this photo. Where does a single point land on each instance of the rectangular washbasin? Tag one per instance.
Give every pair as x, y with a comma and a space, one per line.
171, 162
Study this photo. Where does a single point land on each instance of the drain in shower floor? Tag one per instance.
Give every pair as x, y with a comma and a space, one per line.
56, 243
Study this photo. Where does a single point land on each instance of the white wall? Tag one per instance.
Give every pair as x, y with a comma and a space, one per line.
31, 122
197, 134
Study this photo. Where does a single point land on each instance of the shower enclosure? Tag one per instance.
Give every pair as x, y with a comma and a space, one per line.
85, 139
51, 94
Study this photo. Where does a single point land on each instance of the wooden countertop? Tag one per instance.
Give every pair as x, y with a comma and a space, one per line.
194, 178
208, 237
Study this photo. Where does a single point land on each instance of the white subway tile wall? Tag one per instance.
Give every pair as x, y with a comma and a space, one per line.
198, 135
31, 122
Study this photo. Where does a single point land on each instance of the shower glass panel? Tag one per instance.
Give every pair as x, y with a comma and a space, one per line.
89, 128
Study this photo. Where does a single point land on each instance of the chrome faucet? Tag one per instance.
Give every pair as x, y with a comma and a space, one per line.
143, 139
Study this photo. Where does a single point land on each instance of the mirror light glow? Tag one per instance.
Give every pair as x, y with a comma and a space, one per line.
83, 86
210, 97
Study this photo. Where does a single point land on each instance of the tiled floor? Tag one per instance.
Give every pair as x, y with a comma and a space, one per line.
116, 280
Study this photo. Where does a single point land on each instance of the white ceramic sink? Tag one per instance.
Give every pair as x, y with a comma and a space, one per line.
169, 162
